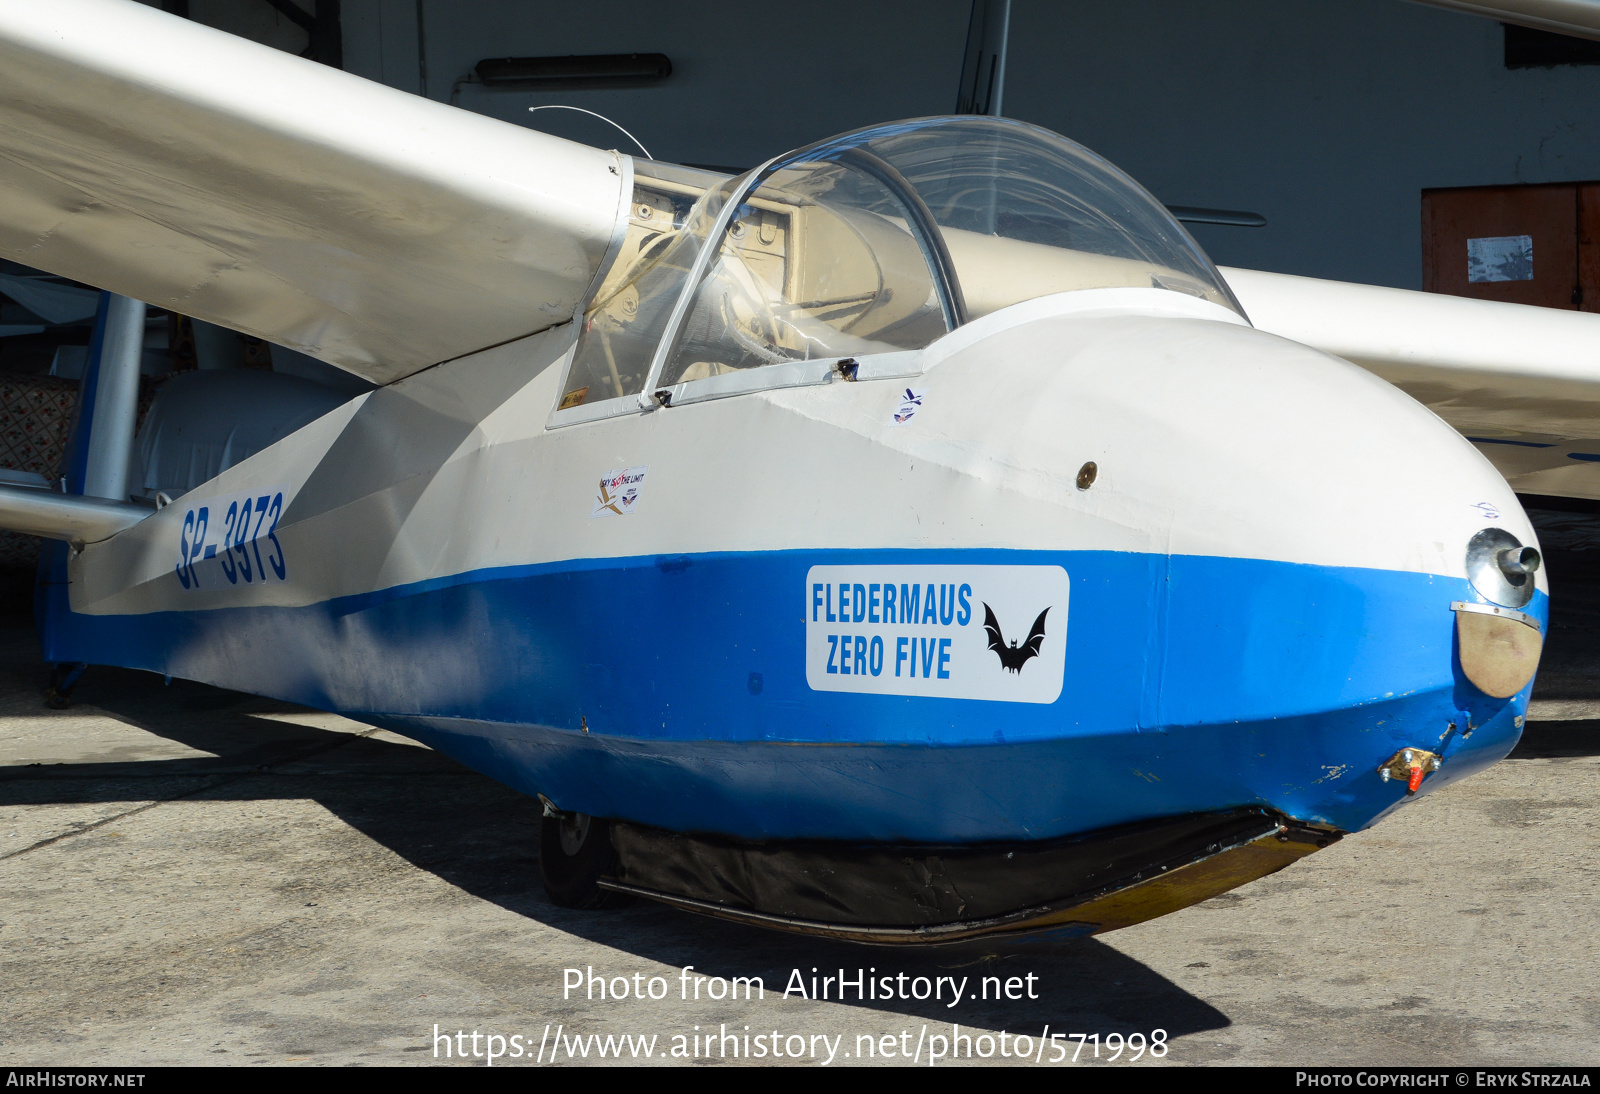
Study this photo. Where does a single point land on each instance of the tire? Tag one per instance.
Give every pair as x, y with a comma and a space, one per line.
574, 853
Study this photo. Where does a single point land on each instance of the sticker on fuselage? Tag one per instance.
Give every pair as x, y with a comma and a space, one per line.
957, 632
618, 492
232, 540
910, 403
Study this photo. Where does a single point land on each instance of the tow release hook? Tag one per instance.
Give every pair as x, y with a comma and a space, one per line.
1412, 765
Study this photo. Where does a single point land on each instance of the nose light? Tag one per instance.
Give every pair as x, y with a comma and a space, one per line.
1501, 568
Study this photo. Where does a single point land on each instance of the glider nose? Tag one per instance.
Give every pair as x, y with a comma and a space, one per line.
1391, 592
1320, 591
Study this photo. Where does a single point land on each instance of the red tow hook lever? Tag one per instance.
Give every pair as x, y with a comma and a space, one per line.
1411, 764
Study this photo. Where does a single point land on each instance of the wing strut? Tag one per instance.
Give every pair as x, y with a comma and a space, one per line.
96, 504
62, 516
109, 408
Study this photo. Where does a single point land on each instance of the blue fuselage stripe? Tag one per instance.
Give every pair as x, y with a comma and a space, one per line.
673, 690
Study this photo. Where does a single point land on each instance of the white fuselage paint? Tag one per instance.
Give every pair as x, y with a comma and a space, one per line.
1211, 438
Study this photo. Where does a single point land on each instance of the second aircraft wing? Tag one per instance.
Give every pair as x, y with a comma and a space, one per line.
1522, 383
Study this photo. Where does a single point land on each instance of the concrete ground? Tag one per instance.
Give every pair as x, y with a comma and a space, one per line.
190, 875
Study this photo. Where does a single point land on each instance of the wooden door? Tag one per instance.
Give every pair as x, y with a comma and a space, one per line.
1513, 243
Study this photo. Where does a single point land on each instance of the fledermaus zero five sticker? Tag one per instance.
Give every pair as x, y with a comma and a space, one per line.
618, 492
959, 632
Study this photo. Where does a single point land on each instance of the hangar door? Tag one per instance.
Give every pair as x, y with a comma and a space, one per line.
1522, 244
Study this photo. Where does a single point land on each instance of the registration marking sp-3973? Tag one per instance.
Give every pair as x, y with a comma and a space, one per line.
920, 630
228, 541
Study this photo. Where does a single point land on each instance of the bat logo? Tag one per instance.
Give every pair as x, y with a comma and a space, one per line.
1013, 657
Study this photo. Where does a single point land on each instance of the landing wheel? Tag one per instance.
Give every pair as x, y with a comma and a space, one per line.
574, 852
63, 678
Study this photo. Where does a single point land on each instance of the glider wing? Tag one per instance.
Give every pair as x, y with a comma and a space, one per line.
1520, 382
198, 171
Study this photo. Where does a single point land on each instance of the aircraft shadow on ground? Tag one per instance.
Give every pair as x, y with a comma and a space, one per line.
482, 837
1549, 740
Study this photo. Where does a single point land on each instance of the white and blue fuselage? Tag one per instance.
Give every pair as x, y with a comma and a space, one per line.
924, 490
764, 616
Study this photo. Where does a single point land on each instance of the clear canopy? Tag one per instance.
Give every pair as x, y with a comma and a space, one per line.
672, 214
874, 241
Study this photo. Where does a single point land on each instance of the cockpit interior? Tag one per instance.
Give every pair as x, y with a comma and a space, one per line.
878, 241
